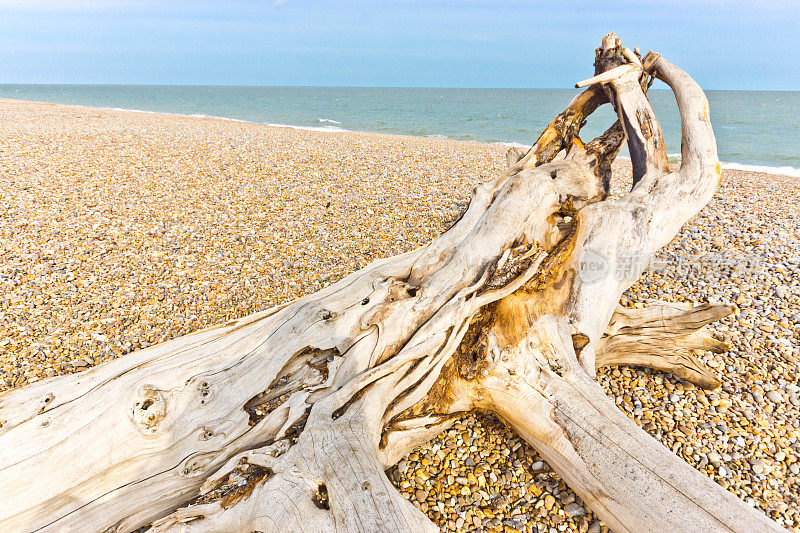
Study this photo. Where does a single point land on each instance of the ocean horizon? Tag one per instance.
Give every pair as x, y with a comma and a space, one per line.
755, 130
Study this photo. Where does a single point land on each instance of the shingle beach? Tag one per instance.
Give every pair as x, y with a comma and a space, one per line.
120, 230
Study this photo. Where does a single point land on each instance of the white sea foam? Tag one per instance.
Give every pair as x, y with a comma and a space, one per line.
196, 115
766, 169
514, 145
123, 109
328, 129
201, 115
784, 171
329, 121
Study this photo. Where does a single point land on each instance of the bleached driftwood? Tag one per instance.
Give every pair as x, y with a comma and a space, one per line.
286, 420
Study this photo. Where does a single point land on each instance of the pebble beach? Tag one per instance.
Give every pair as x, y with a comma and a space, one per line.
120, 230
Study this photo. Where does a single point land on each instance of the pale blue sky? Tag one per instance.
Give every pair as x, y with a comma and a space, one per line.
478, 43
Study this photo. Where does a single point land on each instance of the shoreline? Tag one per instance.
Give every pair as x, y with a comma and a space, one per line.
674, 158
121, 230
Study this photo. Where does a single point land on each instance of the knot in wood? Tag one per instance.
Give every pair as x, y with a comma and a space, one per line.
400, 290
196, 464
149, 409
556, 367
46, 401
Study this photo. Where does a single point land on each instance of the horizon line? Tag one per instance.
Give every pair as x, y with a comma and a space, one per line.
351, 86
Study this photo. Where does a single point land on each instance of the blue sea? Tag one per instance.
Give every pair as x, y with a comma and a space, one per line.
756, 130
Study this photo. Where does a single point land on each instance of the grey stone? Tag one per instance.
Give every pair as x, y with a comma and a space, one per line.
539, 466
574, 510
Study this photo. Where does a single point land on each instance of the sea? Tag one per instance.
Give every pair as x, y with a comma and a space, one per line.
755, 130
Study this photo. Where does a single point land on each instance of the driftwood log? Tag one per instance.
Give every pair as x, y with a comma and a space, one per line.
286, 420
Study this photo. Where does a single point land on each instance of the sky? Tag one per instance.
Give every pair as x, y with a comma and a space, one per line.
399, 43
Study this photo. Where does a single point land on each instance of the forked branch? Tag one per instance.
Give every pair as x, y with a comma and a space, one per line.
663, 337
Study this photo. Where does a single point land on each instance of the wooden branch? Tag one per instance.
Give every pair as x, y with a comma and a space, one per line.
562, 130
698, 145
622, 72
645, 141
663, 336
601, 152
673, 198
629, 479
514, 154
